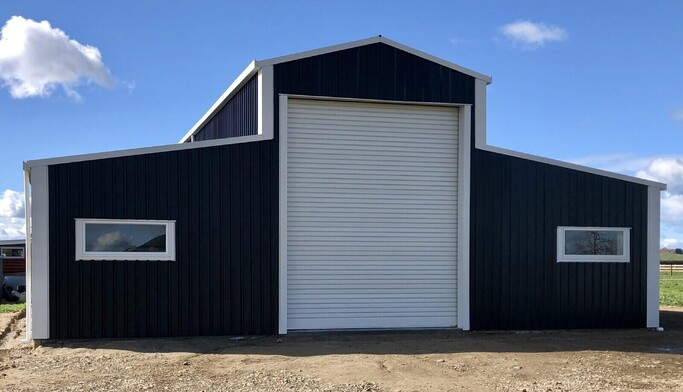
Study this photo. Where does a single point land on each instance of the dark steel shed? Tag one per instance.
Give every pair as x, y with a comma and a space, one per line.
344, 187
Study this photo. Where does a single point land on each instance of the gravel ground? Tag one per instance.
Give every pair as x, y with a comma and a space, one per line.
393, 361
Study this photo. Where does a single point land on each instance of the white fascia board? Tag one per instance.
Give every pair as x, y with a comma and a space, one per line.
572, 166
282, 226
27, 253
317, 52
447, 64
368, 41
266, 121
147, 150
244, 77
652, 281
479, 113
464, 167
38, 260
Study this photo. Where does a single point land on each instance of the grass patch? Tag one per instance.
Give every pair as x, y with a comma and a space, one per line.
670, 256
671, 289
11, 307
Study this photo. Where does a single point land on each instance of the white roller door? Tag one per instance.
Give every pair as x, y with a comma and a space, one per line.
371, 215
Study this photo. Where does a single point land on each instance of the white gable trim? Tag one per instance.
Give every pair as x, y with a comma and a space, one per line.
266, 86
652, 296
568, 165
148, 150
373, 40
37, 253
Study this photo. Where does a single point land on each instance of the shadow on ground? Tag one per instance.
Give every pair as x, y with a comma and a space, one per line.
410, 342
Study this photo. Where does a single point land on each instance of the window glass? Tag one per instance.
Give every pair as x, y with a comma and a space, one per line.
123, 239
594, 242
117, 237
12, 253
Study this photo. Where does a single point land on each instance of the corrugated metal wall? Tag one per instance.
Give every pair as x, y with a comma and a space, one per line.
376, 71
239, 117
516, 282
372, 215
224, 281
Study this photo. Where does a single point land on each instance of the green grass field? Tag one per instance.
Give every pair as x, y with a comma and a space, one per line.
671, 289
11, 307
670, 256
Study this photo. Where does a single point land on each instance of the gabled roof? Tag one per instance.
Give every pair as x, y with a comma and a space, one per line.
253, 68
369, 41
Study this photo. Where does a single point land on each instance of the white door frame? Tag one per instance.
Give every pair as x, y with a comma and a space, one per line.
464, 153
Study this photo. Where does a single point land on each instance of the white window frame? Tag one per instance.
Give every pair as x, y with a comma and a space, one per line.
13, 247
623, 258
82, 254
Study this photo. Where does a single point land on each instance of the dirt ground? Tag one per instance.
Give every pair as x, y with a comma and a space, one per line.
390, 361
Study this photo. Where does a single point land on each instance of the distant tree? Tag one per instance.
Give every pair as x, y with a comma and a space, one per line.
679, 251
595, 243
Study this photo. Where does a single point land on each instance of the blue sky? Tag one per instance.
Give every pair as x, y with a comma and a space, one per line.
596, 83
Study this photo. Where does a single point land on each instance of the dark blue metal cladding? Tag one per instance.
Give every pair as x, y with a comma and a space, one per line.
225, 202
376, 71
515, 280
224, 279
239, 116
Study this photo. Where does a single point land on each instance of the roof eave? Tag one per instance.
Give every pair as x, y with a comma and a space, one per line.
573, 166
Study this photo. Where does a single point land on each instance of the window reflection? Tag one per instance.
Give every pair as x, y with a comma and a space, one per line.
108, 237
594, 242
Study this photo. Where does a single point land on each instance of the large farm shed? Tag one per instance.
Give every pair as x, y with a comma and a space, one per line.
349, 187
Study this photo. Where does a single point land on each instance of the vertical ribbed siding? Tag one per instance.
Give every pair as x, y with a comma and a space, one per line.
239, 116
224, 278
376, 71
516, 282
372, 215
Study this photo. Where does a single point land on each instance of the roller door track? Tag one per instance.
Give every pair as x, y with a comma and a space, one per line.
371, 215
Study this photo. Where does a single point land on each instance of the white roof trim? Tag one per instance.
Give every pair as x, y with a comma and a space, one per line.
146, 150
256, 65
244, 77
573, 166
368, 41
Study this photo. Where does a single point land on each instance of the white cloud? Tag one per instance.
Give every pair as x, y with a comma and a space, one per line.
669, 170
111, 240
12, 215
672, 208
672, 243
666, 169
36, 58
12, 229
11, 204
530, 35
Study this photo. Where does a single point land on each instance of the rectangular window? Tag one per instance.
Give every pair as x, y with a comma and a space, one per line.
12, 252
107, 239
593, 244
